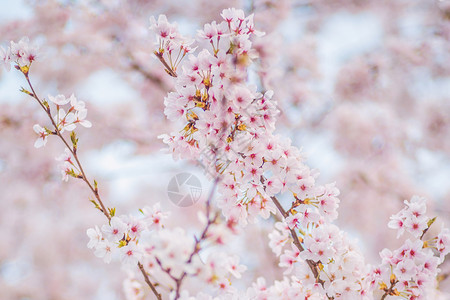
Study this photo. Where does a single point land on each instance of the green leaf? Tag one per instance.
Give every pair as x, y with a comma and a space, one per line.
431, 221
26, 91
73, 138
96, 205
112, 211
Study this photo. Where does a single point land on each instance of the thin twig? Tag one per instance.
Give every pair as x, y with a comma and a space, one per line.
312, 265
179, 281
167, 67
389, 291
84, 177
149, 76
71, 149
149, 283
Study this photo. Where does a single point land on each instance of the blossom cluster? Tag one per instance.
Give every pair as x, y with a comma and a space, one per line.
167, 254
340, 264
222, 111
22, 53
412, 218
169, 39
410, 271
229, 125
64, 121
122, 235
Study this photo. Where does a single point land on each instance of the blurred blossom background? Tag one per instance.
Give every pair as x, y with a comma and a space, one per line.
363, 87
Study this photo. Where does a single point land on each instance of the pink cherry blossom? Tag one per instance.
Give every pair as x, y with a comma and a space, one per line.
43, 134
130, 254
95, 237
59, 99
116, 230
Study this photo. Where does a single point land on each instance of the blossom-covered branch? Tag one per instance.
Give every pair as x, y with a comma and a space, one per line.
215, 80
24, 55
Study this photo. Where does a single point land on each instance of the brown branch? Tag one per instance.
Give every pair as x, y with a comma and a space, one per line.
71, 149
167, 67
390, 291
312, 265
149, 283
149, 76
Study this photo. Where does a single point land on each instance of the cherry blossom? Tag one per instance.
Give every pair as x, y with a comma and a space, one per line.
43, 135
23, 53
5, 58
59, 99
116, 230
95, 237
130, 254
104, 250
232, 265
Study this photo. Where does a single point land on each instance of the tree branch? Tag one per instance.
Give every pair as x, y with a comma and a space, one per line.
83, 175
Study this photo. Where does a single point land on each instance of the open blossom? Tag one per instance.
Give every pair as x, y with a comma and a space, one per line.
234, 17
405, 269
104, 249
65, 120
443, 242
397, 222
22, 52
169, 37
66, 156
66, 166
133, 289
59, 99
278, 238
76, 104
66, 170
116, 230
5, 58
289, 258
293, 221
241, 97
43, 134
135, 227
76, 113
162, 27
154, 217
318, 248
210, 31
95, 237
80, 118
131, 254
233, 266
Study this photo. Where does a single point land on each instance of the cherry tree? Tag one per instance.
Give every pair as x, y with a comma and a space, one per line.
224, 121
